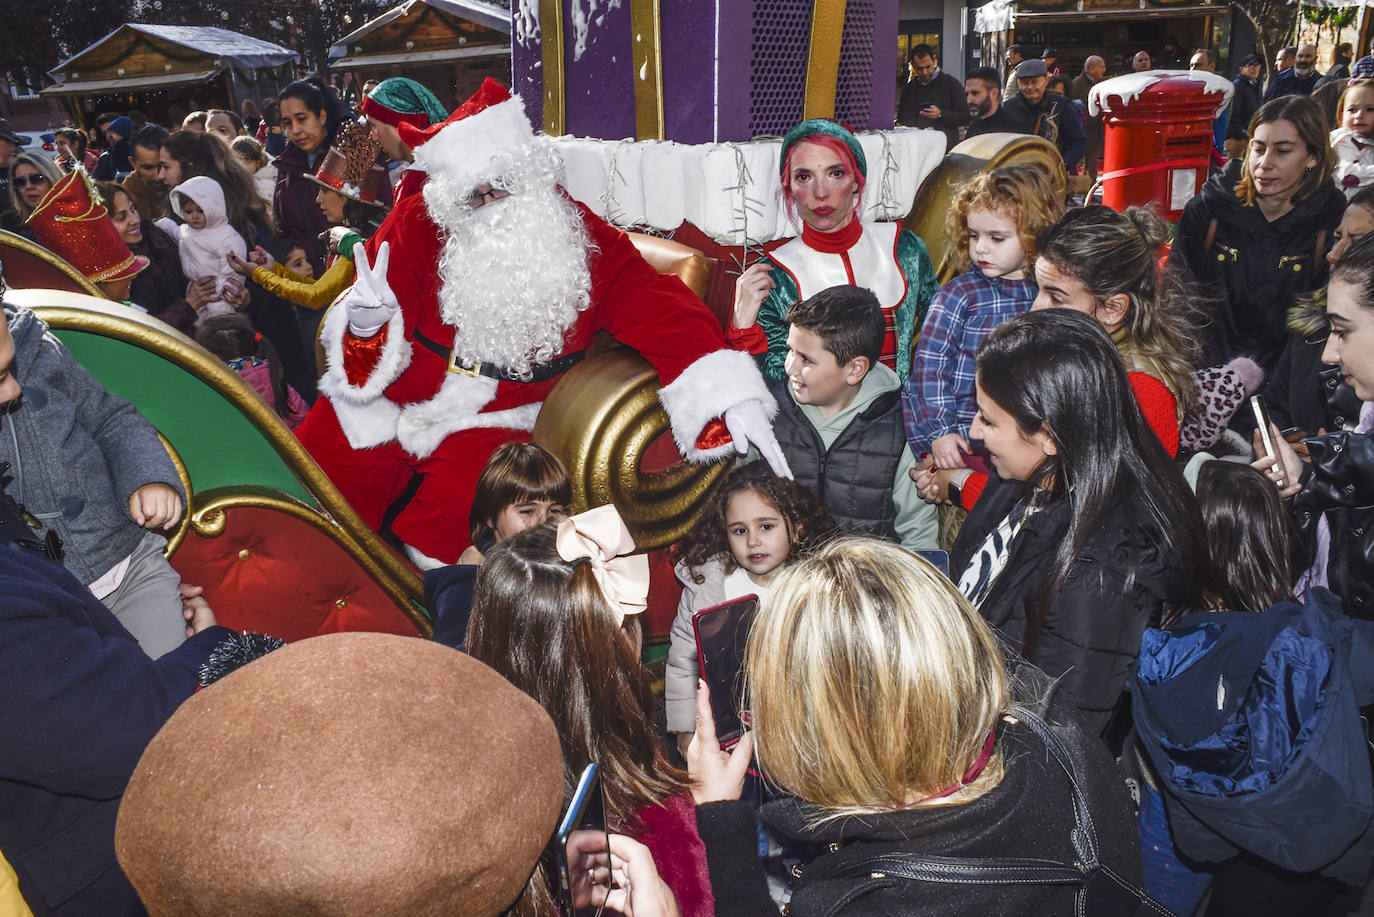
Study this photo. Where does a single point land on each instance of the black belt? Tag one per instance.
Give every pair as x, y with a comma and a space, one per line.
540, 372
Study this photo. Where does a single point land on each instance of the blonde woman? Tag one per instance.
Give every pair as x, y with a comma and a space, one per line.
881, 704
32, 176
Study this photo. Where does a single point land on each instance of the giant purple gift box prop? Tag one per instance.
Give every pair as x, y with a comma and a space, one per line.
701, 71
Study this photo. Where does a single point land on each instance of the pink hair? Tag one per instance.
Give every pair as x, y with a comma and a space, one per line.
834, 145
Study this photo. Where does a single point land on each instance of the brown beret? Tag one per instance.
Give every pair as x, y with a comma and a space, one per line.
345, 774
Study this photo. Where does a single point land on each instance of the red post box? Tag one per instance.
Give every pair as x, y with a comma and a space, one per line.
1157, 140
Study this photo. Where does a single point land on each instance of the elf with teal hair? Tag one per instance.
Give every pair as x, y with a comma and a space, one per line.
398, 101
823, 172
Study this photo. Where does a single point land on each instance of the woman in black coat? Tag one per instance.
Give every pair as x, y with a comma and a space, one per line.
881, 704
1087, 534
1257, 235
311, 113
1334, 505
1305, 396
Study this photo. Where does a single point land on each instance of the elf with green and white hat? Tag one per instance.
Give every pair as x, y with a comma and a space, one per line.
825, 175
398, 101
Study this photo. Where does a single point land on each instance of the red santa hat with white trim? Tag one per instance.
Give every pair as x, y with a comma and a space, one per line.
472, 145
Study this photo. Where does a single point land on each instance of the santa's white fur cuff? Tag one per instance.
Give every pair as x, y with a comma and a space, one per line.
705, 390
458, 406
394, 359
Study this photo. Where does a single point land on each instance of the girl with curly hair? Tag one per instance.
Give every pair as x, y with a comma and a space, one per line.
754, 524
995, 220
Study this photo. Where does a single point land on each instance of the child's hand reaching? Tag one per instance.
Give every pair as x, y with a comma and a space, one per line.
155, 506
949, 450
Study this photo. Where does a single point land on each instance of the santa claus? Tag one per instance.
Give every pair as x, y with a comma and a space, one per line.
471, 300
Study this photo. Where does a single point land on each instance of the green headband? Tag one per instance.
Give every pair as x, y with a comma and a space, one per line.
828, 128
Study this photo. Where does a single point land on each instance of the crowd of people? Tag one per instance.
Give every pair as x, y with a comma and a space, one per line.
1058, 574
1036, 96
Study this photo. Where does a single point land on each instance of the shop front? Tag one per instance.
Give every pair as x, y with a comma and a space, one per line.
1113, 29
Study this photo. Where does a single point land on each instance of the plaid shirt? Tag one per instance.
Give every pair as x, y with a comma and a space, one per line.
939, 397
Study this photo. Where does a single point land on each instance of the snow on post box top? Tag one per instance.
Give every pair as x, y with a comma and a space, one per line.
1191, 86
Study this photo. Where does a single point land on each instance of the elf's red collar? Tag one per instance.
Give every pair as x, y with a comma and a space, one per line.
833, 243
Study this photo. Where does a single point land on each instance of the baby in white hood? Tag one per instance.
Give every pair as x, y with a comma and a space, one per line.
206, 237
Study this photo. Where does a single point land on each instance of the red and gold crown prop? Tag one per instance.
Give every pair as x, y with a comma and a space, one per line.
71, 222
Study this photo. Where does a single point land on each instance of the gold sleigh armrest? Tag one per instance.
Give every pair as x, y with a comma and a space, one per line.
669, 257
603, 415
600, 419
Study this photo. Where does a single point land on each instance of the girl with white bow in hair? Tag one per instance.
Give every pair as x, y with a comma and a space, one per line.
557, 614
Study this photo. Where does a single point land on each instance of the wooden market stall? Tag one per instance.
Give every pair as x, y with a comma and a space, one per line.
448, 45
1113, 29
156, 67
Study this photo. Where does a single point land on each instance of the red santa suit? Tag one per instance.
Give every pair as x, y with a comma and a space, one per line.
395, 404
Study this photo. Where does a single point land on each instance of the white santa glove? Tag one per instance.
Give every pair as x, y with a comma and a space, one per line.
369, 303
334, 236
749, 425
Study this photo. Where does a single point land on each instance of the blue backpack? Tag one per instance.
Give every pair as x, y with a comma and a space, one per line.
1252, 723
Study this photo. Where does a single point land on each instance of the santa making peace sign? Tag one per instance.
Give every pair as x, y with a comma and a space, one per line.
472, 299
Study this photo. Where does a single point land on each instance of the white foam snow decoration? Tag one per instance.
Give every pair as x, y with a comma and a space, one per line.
585, 14
664, 178
585, 164
1128, 87
525, 22
730, 190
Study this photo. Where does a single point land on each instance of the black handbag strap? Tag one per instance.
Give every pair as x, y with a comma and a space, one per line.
994, 870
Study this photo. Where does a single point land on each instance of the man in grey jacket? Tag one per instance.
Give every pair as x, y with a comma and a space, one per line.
88, 467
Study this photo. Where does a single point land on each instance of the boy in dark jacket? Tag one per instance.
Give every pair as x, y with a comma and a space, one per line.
839, 421
88, 467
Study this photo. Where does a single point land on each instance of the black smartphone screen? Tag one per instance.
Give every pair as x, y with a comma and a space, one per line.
940, 559
721, 634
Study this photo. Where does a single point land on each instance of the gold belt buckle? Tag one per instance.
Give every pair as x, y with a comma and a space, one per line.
473, 371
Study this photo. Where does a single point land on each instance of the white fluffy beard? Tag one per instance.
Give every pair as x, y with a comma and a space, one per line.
514, 271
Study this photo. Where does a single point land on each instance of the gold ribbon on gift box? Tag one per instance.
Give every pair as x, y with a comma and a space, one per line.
823, 58
551, 51
646, 57
822, 64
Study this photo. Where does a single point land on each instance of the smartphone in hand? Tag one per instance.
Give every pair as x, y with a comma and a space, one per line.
582, 848
1266, 427
722, 632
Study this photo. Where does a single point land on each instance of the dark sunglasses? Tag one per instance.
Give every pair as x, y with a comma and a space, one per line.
21, 181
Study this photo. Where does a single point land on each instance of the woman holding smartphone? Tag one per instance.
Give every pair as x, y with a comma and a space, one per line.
881, 704
556, 614
1334, 506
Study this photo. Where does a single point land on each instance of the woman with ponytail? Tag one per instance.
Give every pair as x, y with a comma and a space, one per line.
252, 356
